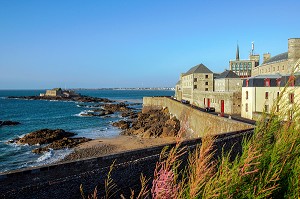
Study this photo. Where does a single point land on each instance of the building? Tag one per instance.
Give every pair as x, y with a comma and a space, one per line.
226, 96
203, 88
198, 78
261, 91
243, 68
58, 92
282, 63
54, 92
270, 93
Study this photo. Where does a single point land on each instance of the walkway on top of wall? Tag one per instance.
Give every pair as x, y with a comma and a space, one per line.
233, 117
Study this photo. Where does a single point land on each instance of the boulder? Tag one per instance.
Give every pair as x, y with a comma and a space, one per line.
44, 136
8, 123
122, 124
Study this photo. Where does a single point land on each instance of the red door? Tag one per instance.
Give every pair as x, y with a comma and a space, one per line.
208, 102
222, 106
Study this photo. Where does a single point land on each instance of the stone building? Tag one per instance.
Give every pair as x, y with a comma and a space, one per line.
198, 78
54, 92
226, 97
282, 63
243, 68
58, 92
202, 88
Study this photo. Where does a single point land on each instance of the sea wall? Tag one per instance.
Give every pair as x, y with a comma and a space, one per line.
64, 180
199, 122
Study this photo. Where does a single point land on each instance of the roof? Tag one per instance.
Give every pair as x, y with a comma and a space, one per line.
227, 74
280, 57
178, 83
200, 68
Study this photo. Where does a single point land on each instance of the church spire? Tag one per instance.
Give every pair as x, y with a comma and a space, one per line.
237, 53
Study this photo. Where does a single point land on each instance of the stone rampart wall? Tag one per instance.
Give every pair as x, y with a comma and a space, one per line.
199, 122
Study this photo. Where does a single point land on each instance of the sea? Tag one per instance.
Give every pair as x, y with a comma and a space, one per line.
39, 114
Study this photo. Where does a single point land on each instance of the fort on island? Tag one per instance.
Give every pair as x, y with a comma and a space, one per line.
249, 88
58, 92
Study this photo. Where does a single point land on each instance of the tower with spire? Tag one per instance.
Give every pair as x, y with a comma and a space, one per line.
243, 68
237, 57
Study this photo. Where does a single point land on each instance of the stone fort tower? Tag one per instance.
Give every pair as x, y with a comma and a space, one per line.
293, 51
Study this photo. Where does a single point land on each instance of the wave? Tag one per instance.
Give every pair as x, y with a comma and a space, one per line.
52, 156
45, 156
80, 114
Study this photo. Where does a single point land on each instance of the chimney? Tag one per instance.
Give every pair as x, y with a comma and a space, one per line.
267, 56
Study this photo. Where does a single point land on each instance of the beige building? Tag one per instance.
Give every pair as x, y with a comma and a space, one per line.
282, 63
58, 92
202, 88
198, 78
54, 92
243, 68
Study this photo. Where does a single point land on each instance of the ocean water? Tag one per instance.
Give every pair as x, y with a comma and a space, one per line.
38, 114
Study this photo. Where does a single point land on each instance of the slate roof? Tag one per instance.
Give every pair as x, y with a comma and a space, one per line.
280, 57
227, 74
200, 68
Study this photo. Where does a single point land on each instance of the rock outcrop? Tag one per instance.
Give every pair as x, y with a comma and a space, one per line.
121, 107
122, 124
56, 139
8, 123
61, 144
154, 123
44, 136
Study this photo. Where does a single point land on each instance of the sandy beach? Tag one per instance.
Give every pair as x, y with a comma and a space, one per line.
106, 146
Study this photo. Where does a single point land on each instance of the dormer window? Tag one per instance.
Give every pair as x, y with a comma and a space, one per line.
267, 82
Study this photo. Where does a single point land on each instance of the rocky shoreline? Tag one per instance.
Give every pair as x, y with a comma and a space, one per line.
136, 126
54, 139
64, 98
151, 124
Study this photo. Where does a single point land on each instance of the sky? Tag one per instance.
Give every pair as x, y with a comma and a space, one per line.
133, 43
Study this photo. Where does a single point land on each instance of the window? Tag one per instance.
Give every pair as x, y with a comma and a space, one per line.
206, 76
266, 108
206, 83
277, 108
195, 86
195, 79
267, 82
278, 94
267, 95
291, 98
246, 94
282, 67
246, 108
206, 89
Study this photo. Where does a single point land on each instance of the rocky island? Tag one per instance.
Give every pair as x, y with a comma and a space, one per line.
55, 139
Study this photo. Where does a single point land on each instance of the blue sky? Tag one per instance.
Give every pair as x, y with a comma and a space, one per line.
134, 43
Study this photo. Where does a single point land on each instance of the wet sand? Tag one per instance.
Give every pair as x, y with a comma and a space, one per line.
106, 146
